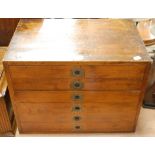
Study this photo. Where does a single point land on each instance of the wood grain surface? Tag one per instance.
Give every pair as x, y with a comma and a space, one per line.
49, 94
76, 40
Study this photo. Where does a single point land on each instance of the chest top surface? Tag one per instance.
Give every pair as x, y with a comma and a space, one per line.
76, 40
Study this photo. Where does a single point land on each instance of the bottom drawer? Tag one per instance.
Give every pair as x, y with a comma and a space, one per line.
44, 128
44, 117
94, 117
109, 117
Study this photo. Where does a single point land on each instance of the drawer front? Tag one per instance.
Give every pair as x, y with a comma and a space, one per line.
107, 117
32, 83
115, 71
44, 112
87, 71
71, 97
43, 128
61, 77
42, 72
94, 117
47, 100
44, 117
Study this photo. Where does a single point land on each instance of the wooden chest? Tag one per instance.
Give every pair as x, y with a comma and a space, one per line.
76, 75
7, 119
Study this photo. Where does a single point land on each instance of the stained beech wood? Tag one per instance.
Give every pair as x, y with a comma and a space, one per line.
76, 40
33, 115
112, 70
39, 64
66, 84
66, 96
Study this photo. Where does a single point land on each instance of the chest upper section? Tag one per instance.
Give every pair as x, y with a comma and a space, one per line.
76, 40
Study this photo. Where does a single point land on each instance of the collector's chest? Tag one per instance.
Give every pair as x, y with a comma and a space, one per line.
76, 75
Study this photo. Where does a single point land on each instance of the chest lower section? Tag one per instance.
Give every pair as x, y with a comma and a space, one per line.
77, 98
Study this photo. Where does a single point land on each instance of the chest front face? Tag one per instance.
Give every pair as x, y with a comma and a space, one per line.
79, 76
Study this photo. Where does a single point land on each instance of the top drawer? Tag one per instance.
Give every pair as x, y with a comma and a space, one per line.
135, 71
60, 77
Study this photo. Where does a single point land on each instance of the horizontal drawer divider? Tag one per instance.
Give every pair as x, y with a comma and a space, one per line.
66, 96
67, 84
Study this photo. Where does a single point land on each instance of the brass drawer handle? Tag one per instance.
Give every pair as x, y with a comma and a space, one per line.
77, 118
76, 108
77, 97
77, 72
77, 127
77, 85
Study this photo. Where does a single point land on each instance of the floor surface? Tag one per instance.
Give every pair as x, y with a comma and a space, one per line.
145, 127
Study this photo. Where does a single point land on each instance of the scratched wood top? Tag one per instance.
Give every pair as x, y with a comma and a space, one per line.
76, 40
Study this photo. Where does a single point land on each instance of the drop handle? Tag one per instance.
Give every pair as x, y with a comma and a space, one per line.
76, 108
77, 72
77, 127
77, 97
77, 118
77, 85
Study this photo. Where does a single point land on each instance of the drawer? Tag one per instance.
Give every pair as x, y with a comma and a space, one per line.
115, 71
79, 96
94, 117
107, 77
45, 128
41, 72
45, 117
32, 83
45, 112
87, 71
108, 117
